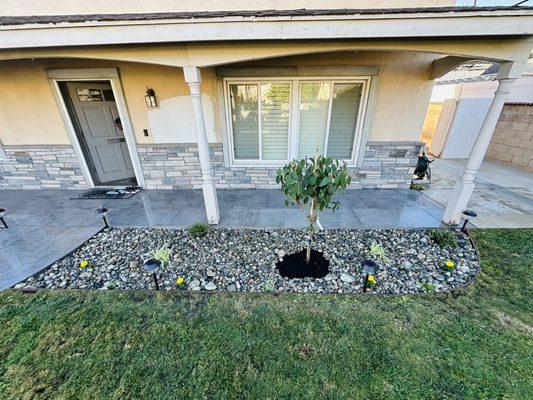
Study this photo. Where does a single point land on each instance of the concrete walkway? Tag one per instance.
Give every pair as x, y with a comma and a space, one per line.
44, 225
503, 196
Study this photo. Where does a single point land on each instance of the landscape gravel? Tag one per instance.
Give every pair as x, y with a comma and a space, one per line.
245, 260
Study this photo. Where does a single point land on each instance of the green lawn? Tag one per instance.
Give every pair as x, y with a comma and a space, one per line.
113, 345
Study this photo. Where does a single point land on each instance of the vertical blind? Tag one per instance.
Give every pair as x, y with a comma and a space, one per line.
275, 120
244, 119
327, 121
314, 103
267, 137
343, 120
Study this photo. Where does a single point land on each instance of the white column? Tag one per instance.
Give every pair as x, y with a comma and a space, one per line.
193, 79
464, 188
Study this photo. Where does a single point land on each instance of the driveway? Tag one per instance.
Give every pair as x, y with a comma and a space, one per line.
502, 198
44, 225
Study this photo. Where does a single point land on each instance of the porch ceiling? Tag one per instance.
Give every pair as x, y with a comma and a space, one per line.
209, 54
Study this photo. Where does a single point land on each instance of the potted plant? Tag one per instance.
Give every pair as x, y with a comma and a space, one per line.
311, 184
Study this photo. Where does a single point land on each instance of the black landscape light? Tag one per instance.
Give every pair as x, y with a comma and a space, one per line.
467, 214
370, 267
103, 213
2, 212
151, 266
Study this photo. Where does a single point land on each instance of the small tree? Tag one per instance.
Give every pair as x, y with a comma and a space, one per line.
311, 184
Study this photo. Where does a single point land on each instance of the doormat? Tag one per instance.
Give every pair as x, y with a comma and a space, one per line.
95, 194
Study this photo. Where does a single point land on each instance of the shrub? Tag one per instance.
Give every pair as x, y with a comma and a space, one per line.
311, 183
378, 253
198, 230
443, 237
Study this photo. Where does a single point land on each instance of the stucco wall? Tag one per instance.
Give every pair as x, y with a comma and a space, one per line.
403, 87
29, 114
44, 7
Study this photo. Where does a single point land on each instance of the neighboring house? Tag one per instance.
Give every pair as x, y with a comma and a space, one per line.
465, 96
181, 95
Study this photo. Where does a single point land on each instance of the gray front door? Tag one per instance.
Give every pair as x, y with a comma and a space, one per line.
101, 130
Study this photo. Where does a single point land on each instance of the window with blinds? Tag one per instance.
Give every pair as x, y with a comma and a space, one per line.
260, 120
263, 114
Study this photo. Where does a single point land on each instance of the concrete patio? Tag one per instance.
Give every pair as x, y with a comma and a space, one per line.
502, 198
44, 225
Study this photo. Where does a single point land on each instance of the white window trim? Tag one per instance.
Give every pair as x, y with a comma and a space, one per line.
294, 116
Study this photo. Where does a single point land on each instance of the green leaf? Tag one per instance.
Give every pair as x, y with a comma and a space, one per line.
324, 181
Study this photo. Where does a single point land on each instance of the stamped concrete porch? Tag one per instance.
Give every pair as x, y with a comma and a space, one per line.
44, 225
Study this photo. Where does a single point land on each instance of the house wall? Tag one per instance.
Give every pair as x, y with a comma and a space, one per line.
58, 7
30, 121
512, 142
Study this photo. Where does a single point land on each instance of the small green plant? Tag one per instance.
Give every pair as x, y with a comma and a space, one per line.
112, 285
449, 265
311, 184
443, 237
268, 286
372, 282
378, 253
428, 287
198, 230
180, 283
86, 264
162, 254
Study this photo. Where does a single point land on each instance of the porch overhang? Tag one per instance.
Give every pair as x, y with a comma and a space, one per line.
92, 30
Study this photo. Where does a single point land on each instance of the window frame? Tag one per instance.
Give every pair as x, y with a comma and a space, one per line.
294, 116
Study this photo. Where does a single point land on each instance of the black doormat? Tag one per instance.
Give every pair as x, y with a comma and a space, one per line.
94, 194
294, 266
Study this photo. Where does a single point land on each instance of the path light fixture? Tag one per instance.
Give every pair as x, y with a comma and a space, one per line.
103, 213
151, 266
2, 212
467, 214
149, 98
370, 267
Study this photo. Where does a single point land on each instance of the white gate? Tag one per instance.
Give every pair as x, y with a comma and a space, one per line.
467, 120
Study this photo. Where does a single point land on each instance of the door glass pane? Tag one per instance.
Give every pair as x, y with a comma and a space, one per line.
314, 102
275, 120
344, 111
244, 120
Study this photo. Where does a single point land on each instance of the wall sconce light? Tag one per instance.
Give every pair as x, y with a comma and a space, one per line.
149, 98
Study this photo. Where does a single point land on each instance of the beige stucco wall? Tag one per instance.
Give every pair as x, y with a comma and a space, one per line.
29, 114
56, 7
403, 88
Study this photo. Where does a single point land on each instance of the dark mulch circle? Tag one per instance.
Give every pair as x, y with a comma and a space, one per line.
294, 266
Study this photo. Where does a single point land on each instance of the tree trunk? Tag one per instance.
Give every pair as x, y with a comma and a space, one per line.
312, 218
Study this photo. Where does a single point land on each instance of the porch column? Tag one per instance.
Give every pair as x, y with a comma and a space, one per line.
464, 188
193, 79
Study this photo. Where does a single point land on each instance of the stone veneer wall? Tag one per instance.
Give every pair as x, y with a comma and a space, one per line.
40, 167
512, 142
173, 166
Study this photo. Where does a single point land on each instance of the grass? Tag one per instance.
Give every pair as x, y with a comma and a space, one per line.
118, 345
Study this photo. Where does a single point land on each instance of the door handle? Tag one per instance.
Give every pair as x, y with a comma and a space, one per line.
116, 140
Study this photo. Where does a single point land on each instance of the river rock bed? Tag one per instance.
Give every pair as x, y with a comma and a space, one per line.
244, 260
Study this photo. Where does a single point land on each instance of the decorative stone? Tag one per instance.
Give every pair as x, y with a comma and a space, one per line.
347, 278
330, 277
245, 260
